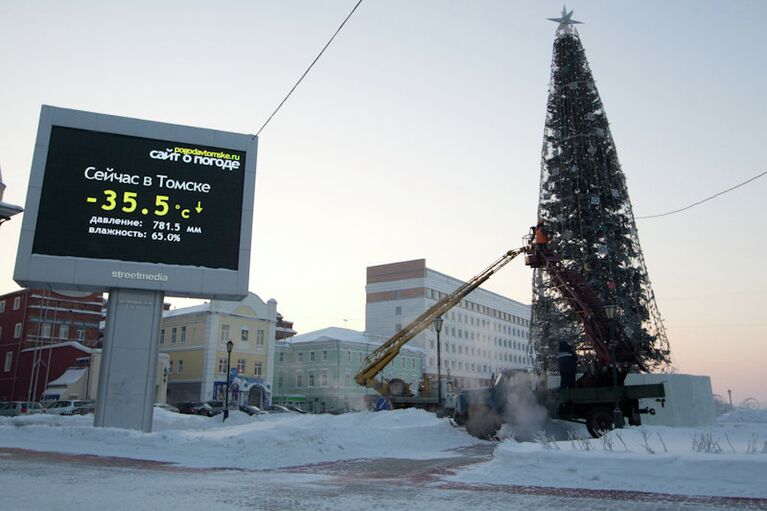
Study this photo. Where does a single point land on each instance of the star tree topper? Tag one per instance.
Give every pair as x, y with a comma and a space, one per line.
566, 18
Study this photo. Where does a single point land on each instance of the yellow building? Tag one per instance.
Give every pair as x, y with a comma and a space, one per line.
195, 339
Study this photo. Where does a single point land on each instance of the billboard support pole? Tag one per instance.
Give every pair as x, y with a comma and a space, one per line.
126, 389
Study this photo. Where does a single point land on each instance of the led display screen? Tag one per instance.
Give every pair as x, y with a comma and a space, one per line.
127, 198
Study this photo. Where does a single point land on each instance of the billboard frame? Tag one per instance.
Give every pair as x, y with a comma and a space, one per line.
93, 274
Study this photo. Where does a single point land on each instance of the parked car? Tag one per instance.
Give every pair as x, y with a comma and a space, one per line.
278, 409
14, 408
166, 406
252, 410
195, 408
66, 407
87, 408
295, 409
216, 406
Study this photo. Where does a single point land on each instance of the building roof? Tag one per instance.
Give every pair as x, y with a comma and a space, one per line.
331, 333
194, 309
341, 334
70, 376
71, 344
259, 309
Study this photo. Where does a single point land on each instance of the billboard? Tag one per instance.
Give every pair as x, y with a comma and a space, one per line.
125, 203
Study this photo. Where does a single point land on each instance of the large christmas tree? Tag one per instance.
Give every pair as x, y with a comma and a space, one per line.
585, 204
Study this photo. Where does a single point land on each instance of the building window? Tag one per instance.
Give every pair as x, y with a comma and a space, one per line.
348, 380
45, 331
64, 332
311, 357
224, 333
282, 357
279, 381
257, 369
162, 336
244, 334
324, 356
240, 365
311, 379
170, 367
324, 379
260, 337
16, 303
348, 356
8, 361
80, 334
299, 380
183, 334
300, 356
17, 331
360, 355
173, 332
398, 310
2, 306
398, 327
222, 365
180, 367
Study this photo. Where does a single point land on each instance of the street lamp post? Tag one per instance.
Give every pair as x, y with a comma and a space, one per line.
618, 421
229, 346
438, 321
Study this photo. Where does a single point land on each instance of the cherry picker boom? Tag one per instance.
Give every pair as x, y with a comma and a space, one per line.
377, 361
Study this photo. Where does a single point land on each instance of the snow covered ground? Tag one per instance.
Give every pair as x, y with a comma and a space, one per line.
727, 459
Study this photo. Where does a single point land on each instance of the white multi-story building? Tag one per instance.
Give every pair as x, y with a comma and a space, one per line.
482, 335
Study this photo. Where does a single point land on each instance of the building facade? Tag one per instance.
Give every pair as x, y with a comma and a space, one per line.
73, 371
284, 328
315, 371
195, 339
34, 319
484, 334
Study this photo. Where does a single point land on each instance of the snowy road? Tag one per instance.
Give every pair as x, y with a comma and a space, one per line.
33, 480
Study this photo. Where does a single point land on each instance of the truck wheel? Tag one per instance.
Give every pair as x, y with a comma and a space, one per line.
599, 421
397, 387
482, 422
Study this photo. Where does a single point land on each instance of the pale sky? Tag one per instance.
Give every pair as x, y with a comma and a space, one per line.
418, 135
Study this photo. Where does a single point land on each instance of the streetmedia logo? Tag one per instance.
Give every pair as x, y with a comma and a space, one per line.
195, 156
134, 275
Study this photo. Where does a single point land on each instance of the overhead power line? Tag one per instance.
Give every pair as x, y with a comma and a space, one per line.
704, 200
309, 68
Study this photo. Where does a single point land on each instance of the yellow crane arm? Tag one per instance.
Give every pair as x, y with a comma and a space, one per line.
386, 352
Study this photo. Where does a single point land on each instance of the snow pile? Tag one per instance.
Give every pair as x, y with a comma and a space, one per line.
725, 460
744, 415
258, 442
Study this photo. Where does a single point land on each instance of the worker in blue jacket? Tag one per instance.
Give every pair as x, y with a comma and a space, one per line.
568, 361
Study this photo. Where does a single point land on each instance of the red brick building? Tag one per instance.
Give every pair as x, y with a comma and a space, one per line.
284, 328
37, 319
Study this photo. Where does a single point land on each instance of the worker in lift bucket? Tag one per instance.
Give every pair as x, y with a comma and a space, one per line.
540, 238
568, 362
